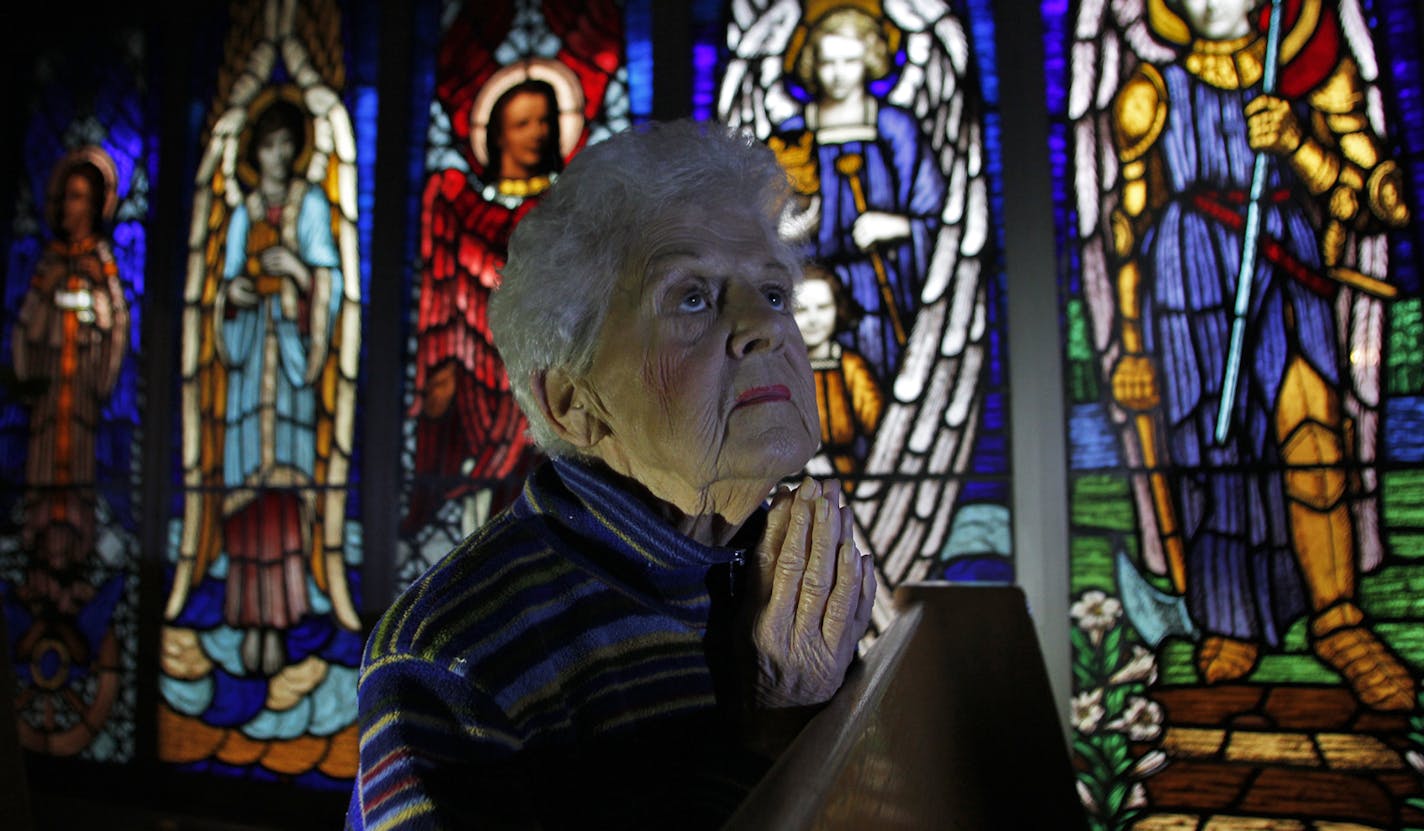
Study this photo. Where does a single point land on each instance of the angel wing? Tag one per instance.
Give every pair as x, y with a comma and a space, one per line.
752, 94
333, 369
336, 382
204, 378
478, 433
1111, 40
904, 501
1360, 316
591, 43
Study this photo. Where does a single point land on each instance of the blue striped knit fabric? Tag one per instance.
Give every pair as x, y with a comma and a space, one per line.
553, 670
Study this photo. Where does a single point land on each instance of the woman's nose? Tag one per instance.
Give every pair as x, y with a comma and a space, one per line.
756, 325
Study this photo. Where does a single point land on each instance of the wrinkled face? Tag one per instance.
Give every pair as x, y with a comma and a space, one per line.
523, 135
699, 368
815, 311
275, 152
1218, 19
840, 66
76, 212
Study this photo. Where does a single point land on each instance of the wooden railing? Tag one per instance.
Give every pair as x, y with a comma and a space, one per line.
948, 723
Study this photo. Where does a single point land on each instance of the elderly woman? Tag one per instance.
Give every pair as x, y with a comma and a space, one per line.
631, 642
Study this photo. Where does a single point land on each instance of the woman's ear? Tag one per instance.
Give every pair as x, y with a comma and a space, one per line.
565, 403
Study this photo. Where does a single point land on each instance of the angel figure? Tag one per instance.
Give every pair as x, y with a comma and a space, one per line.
873, 188
874, 111
525, 120
1256, 518
273, 324
70, 341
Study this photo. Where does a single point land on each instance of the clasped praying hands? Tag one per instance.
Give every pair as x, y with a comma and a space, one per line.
811, 595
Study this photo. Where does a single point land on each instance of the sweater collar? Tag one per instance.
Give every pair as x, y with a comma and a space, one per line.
605, 523
634, 543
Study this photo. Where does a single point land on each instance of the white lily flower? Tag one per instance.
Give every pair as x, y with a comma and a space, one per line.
1142, 721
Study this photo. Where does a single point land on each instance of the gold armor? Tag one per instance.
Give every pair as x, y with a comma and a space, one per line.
1338, 159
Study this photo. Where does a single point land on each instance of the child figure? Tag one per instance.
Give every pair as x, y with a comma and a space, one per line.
848, 395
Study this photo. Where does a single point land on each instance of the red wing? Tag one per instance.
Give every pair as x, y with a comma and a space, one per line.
477, 432
463, 240
592, 38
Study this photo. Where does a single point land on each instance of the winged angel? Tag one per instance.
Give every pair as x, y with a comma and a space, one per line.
520, 88
1217, 150
271, 336
887, 163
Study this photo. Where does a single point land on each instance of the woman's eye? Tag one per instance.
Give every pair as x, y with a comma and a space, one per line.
693, 301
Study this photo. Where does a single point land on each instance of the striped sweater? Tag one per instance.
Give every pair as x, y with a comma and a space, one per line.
557, 668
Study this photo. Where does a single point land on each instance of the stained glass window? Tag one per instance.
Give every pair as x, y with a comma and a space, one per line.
69, 405
514, 90
261, 638
1238, 229
886, 120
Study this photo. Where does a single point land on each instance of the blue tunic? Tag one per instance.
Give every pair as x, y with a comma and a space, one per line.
1242, 577
286, 391
900, 176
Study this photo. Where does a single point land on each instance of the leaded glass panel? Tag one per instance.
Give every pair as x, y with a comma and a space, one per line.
261, 639
886, 120
1237, 191
514, 91
70, 401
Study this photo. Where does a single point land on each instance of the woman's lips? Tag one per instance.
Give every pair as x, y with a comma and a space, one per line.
762, 395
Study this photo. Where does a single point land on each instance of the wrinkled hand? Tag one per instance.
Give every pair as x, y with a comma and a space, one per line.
1271, 125
875, 227
1134, 383
812, 593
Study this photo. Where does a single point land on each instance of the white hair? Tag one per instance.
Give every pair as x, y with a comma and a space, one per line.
596, 224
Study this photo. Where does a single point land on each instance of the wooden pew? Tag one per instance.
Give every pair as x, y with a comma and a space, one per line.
948, 722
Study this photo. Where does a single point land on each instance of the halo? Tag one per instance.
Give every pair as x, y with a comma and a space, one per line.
817, 10
567, 92
260, 102
103, 162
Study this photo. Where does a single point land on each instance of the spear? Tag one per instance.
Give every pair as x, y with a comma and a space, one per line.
1250, 240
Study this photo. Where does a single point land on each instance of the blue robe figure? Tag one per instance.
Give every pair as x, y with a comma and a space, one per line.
277, 307
869, 187
896, 173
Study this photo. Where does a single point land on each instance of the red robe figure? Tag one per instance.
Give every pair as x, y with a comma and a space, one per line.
514, 126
